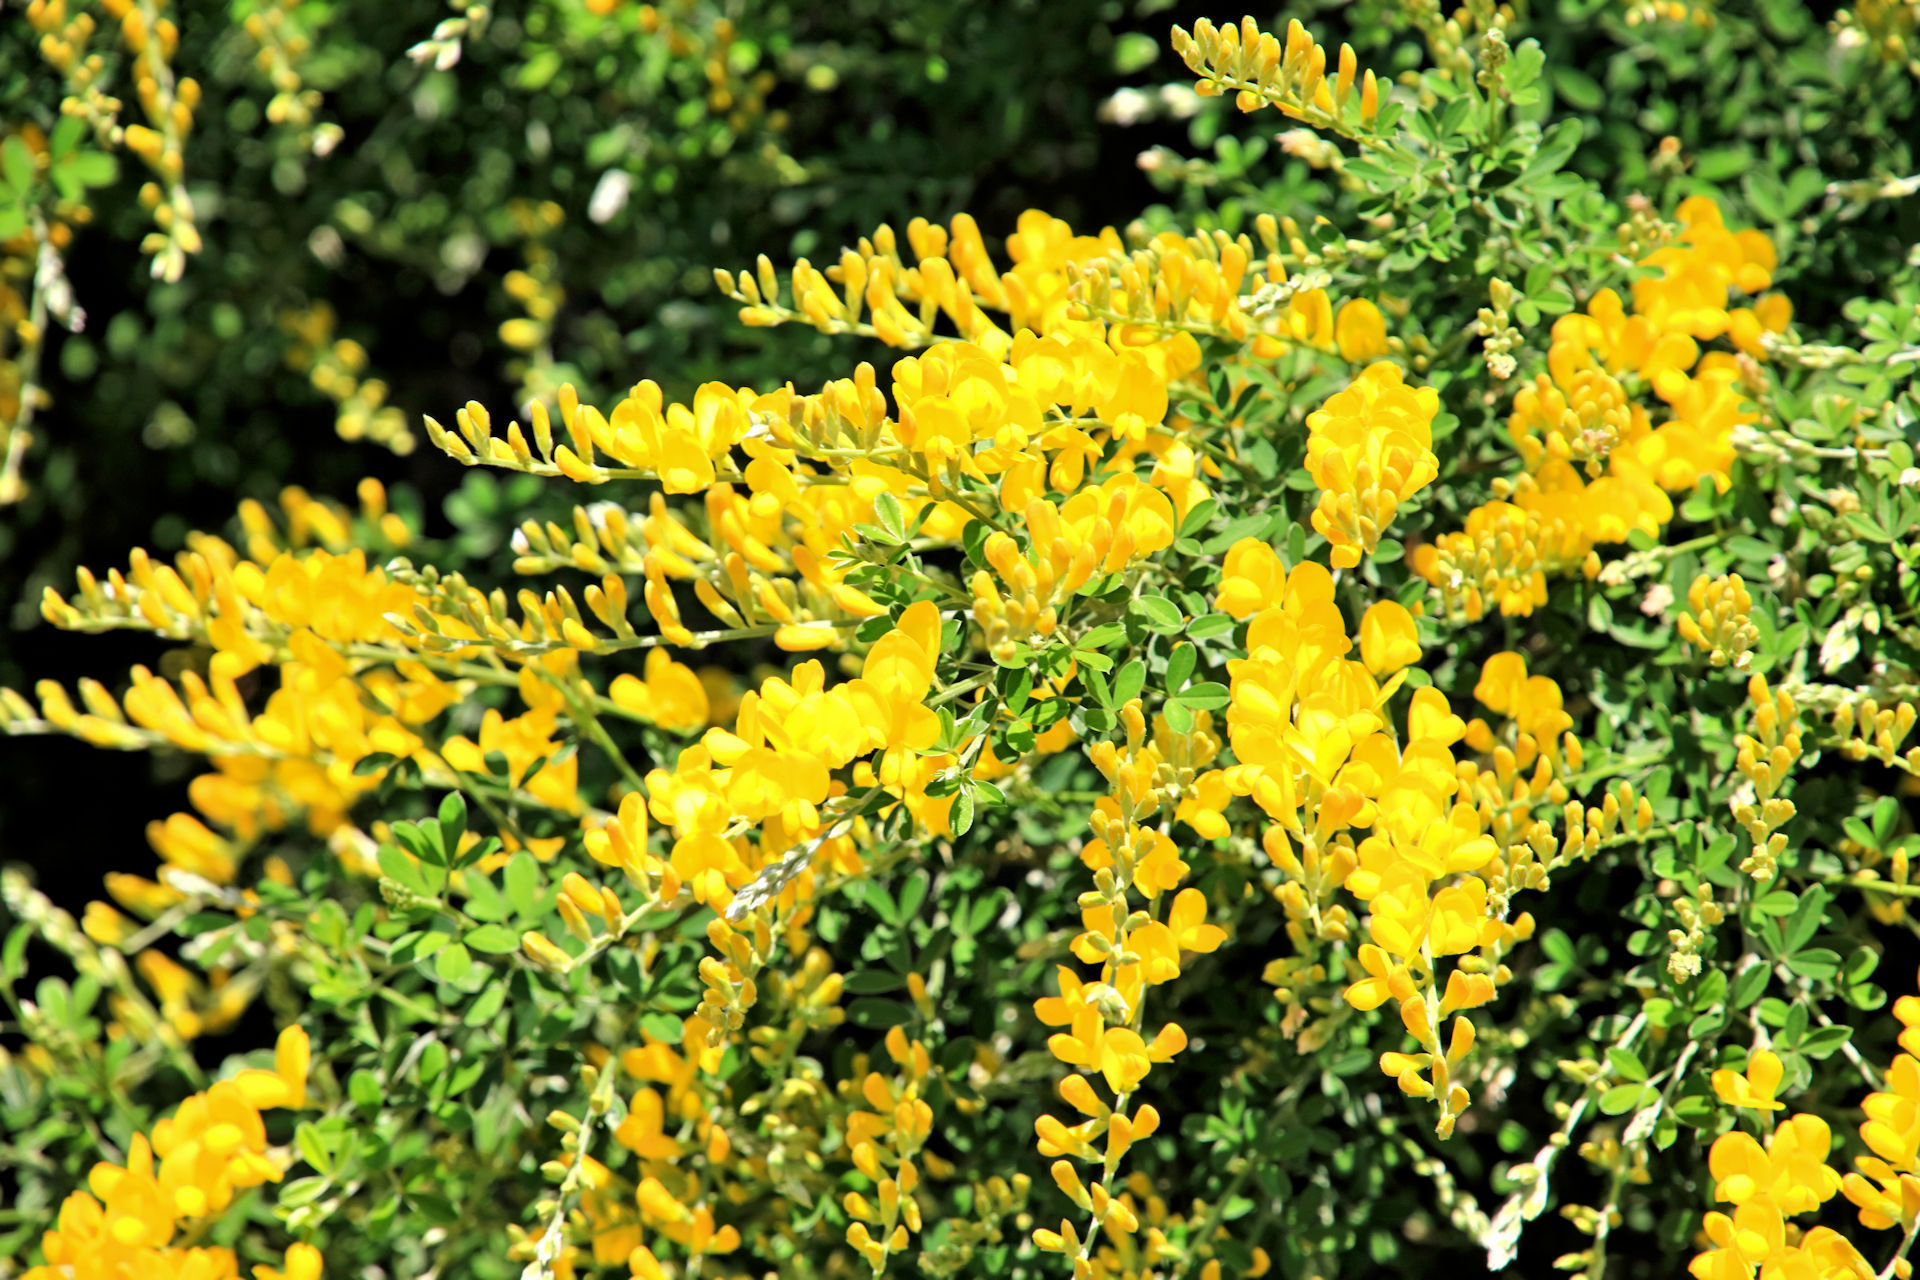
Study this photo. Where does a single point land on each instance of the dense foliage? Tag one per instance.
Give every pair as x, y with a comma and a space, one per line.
1361, 723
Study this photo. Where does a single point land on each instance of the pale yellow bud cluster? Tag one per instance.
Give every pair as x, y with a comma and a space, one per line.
605, 538
994, 1202
64, 36
1501, 560
183, 1009
1582, 422
1530, 851
1698, 13
540, 297
1260, 70
874, 292
1297, 983
1720, 625
453, 617
1622, 815
537, 294
1765, 757
1697, 915
336, 367
1621, 1163
809, 995
168, 106
1313, 872
1890, 28
281, 45
884, 1142
1019, 599
1498, 337
698, 34
730, 977
1176, 281
1870, 731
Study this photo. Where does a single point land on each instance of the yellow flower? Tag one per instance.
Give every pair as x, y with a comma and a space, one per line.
1360, 331
1754, 1090
670, 695
1388, 640
1369, 448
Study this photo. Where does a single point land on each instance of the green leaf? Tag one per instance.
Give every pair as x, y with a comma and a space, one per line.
432, 1062
1578, 89
364, 1088
486, 1005
312, 1150
13, 958
16, 164
452, 963
1627, 1065
1179, 718
1159, 614
874, 982
1555, 150
421, 843
453, 821
302, 1191
1860, 831
1205, 697
1816, 963
1197, 518
1179, 666
1207, 626
1824, 1041
1093, 661
94, 168
913, 894
876, 1014
960, 817
484, 899
398, 867
1711, 991
1694, 1109
1805, 921
65, 135
1623, 1098
493, 940
886, 509
1127, 685
523, 883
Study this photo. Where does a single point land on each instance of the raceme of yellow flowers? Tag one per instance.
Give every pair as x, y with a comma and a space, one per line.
149, 39
1042, 447
186, 1172
1599, 464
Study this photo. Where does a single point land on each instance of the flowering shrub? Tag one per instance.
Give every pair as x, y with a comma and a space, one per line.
1290, 745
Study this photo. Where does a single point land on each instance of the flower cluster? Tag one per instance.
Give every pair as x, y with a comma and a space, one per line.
1769, 1185
1586, 414
1321, 755
188, 1170
1101, 1022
